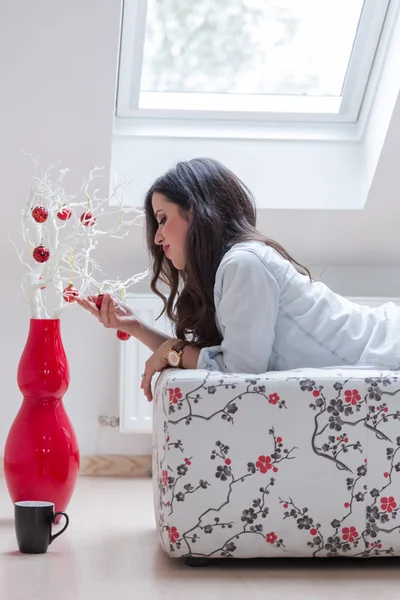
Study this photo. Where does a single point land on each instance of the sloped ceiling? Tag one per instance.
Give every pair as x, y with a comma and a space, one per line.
370, 236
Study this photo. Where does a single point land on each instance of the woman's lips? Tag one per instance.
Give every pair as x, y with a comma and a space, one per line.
165, 248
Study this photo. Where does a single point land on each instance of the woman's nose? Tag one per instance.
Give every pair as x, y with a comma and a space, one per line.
158, 239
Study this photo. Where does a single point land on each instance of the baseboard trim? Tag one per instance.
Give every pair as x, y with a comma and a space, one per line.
111, 465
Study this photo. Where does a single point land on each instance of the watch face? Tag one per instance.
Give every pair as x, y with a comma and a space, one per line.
173, 358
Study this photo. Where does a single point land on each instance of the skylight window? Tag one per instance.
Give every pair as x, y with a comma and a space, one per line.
257, 59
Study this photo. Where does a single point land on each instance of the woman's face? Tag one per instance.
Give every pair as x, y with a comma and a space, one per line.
172, 229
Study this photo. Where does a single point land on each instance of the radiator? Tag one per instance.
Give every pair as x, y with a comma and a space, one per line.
135, 411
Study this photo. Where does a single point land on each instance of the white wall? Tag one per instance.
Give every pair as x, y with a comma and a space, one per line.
283, 173
58, 69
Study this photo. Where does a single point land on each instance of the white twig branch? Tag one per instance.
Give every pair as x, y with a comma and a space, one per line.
72, 241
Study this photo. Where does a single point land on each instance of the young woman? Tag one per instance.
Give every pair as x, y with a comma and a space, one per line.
239, 301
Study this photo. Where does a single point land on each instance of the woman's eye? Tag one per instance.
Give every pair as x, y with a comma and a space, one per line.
163, 220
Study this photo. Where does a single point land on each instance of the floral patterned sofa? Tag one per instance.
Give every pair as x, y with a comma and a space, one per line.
295, 463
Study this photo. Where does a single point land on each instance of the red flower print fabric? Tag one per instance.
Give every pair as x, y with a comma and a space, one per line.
296, 463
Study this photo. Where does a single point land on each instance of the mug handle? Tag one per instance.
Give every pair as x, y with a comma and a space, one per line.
57, 514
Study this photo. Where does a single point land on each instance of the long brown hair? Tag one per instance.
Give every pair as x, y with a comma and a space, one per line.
223, 214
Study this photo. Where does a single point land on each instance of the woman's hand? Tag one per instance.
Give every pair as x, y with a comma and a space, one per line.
155, 364
112, 314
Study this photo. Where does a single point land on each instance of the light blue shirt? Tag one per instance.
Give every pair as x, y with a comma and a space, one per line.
272, 318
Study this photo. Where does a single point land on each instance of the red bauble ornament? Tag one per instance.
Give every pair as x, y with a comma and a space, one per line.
121, 335
87, 218
99, 301
40, 214
70, 294
41, 254
64, 214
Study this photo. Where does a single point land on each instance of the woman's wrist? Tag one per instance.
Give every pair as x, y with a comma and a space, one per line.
130, 327
149, 336
190, 357
133, 327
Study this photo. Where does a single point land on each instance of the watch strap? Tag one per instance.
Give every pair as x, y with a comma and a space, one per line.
180, 345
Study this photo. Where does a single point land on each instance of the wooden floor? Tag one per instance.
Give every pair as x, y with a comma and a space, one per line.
111, 551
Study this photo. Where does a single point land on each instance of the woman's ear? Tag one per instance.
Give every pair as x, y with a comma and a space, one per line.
190, 215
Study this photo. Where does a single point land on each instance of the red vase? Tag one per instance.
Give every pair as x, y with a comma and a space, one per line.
41, 457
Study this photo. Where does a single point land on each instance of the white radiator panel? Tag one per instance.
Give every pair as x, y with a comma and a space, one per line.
135, 410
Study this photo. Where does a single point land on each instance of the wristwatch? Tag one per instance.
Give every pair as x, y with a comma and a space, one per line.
174, 354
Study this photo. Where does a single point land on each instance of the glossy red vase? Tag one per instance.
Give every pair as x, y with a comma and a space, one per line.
41, 457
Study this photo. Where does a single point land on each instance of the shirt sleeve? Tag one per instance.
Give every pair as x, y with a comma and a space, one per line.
247, 313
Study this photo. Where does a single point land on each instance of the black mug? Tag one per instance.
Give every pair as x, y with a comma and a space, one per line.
33, 525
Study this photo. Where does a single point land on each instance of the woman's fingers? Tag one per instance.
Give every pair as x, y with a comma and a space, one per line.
109, 312
146, 383
149, 370
153, 365
104, 313
120, 308
105, 310
88, 305
112, 317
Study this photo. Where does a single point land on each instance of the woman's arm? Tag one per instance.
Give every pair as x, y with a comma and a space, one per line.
190, 357
149, 336
158, 362
247, 313
117, 315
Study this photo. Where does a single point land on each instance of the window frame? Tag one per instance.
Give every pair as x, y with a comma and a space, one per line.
367, 39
